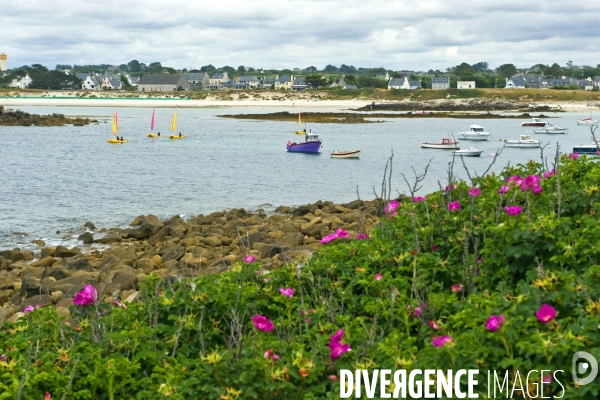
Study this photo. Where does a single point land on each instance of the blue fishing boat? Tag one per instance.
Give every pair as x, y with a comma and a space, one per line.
311, 144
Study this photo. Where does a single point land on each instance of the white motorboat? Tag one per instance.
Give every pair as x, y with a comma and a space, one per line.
472, 152
534, 122
524, 141
476, 133
587, 122
345, 154
447, 144
551, 128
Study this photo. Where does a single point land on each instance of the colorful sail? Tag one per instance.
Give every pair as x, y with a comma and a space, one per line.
300, 118
152, 123
174, 123
115, 127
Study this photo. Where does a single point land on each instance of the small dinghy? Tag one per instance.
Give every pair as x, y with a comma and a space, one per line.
345, 154
472, 152
551, 128
525, 141
447, 144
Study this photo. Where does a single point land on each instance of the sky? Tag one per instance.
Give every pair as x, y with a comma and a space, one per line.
398, 35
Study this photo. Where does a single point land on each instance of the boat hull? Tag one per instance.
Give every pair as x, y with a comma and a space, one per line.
589, 150
479, 138
346, 154
520, 144
551, 131
115, 141
540, 124
468, 153
308, 147
453, 146
587, 123
153, 135
176, 137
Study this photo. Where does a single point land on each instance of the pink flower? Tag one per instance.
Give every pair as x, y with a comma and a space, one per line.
418, 310
434, 248
434, 325
453, 206
288, 292
389, 216
391, 207
537, 189
450, 188
548, 174
342, 234
378, 277
28, 309
308, 320
47, 396
3, 358
266, 279
86, 296
504, 189
474, 192
332, 378
336, 347
119, 304
494, 322
362, 236
329, 238
547, 378
418, 199
249, 259
457, 287
262, 323
572, 156
441, 340
270, 354
546, 313
513, 178
513, 210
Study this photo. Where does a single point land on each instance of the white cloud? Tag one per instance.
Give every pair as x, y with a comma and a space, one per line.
298, 33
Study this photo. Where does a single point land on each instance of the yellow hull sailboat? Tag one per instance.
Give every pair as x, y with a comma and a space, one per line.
152, 135
174, 128
115, 130
300, 124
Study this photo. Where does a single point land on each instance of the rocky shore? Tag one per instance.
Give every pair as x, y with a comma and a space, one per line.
115, 260
452, 105
21, 118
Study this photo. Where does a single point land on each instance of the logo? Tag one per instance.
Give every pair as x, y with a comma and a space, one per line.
581, 368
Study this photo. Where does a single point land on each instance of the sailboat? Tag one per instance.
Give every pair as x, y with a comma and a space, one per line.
300, 124
174, 128
115, 129
588, 121
153, 135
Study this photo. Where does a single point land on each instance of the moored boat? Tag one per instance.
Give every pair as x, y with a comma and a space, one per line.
472, 152
551, 128
447, 144
345, 154
117, 141
180, 136
311, 144
534, 122
475, 133
524, 141
587, 122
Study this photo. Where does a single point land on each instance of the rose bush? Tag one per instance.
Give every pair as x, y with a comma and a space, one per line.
455, 287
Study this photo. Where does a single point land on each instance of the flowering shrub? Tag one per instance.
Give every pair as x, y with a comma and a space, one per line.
530, 304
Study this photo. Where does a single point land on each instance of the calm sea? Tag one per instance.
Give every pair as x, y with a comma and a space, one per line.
56, 179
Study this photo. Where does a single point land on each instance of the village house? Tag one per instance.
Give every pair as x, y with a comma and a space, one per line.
299, 84
284, 82
251, 81
403, 83
465, 85
217, 79
197, 80
22, 83
440, 83
88, 82
516, 82
268, 82
111, 84
162, 83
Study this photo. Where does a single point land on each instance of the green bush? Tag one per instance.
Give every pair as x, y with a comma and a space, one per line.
424, 267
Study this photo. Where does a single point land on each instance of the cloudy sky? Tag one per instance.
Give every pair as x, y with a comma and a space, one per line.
401, 34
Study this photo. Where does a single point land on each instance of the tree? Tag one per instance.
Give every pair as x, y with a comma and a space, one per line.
123, 67
241, 69
570, 64
134, 66
462, 69
506, 70
311, 69
330, 68
480, 66
126, 83
315, 80
555, 71
348, 69
155, 67
227, 68
208, 68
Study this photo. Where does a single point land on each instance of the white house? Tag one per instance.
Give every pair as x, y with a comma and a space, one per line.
252, 81
465, 85
440, 83
22, 83
284, 82
398, 83
515, 83
90, 83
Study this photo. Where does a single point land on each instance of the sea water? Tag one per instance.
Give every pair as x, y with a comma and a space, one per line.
54, 179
